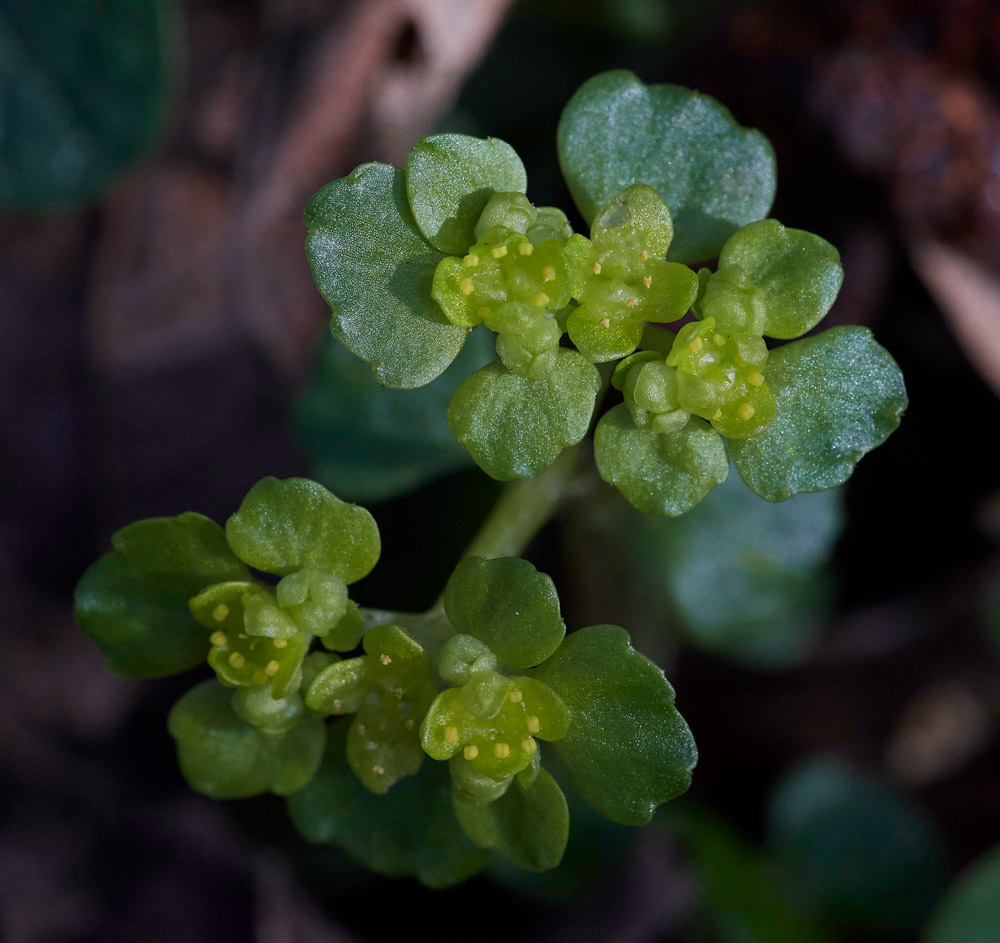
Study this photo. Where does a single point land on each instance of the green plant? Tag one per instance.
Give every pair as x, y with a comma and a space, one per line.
486, 681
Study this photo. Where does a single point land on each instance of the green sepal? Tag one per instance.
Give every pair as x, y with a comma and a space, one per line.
411, 830
346, 634
550, 223
389, 688
714, 174
462, 656
733, 301
839, 395
515, 427
225, 757
636, 219
286, 525
528, 824
374, 269
659, 473
798, 274
511, 211
623, 367
133, 602
317, 601
449, 180
508, 605
627, 749
651, 395
256, 706
263, 617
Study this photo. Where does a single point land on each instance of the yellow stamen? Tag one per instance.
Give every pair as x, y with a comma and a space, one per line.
272, 668
695, 345
471, 261
337, 703
280, 642
237, 660
259, 677
529, 746
499, 252
220, 612
549, 273
643, 255
756, 379
501, 750
514, 697
717, 416
648, 280
533, 724
739, 361
384, 658
218, 638
720, 341
525, 248
471, 752
541, 300
466, 286
746, 411
377, 770
632, 302
604, 322
451, 734
398, 693
361, 728
597, 268
409, 723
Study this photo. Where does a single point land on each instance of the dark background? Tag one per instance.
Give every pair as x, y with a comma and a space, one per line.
155, 340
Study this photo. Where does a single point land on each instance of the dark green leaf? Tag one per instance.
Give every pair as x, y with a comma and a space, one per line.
839, 394
528, 824
628, 749
659, 473
507, 604
284, 526
374, 269
714, 174
450, 177
515, 427
969, 912
134, 601
409, 830
854, 849
83, 89
368, 442
799, 274
225, 757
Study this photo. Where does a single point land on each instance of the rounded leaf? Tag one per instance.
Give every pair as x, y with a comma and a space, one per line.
528, 824
83, 89
515, 427
409, 830
224, 757
839, 395
714, 174
659, 473
287, 525
507, 604
134, 601
798, 273
449, 180
628, 749
374, 270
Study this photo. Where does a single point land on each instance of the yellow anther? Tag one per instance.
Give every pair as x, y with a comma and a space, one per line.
648, 280
695, 345
525, 248
499, 252
377, 770
632, 302
515, 697
484, 313
643, 255
533, 724
549, 273
739, 361
471, 752
604, 322
237, 660
597, 268
745, 412
501, 750
451, 734
541, 300
756, 379
218, 638
280, 642
466, 286
398, 693
529, 746
409, 723
361, 728
720, 341
337, 703
384, 658
259, 677
717, 416
471, 261
272, 668
220, 612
